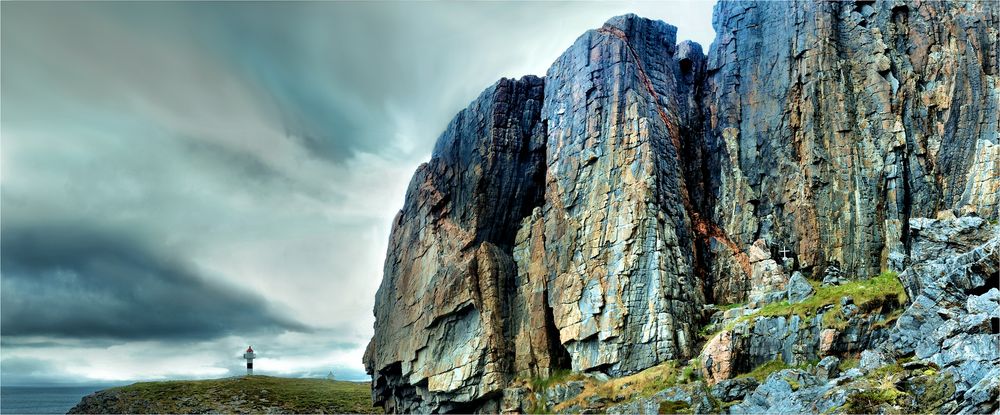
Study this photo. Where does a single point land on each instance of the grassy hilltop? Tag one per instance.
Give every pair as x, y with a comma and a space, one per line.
246, 394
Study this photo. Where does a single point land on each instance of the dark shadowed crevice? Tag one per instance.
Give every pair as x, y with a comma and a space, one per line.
560, 356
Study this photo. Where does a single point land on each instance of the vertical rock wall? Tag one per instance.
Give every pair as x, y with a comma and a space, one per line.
583, 221
832, 123
614, 240
440, 336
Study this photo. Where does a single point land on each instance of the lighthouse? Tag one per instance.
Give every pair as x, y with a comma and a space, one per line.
249, 355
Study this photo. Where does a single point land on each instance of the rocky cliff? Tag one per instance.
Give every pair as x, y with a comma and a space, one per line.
588, 220
830, 124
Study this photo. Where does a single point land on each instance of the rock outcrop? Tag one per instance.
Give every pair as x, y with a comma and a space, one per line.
940, 354
586, 221
614, 237
442, 309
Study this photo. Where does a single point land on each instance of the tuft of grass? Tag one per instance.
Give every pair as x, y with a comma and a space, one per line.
708, 331
688, 374
886, 371
869, 401
793, 383
539, 384
760, 373
880, 388
727, 307
763, 371
675, 407
848, 363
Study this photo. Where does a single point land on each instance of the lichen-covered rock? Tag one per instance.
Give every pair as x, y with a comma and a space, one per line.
933, 241
734, 389
798, 288
690, 398
946, 333
757, 340
952, 320
790, 391
827, 368
872, 359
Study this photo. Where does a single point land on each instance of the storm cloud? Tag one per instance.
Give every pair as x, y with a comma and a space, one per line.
66, 281
181, 179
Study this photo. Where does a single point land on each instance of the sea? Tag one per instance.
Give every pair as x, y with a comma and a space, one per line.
42, 399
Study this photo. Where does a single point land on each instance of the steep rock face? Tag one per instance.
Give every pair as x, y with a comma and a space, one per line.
442, 319
583, 222
614, 240
832, 123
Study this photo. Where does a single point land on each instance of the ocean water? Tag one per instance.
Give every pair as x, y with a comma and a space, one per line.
42, 399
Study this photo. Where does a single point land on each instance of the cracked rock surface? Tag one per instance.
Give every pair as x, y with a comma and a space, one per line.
583, 220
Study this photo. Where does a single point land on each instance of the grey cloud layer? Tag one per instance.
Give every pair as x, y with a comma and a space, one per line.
67, 281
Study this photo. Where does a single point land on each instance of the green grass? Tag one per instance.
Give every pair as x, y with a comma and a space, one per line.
539, 384
882, 293
848, 363
727, 307
763, 371
760, 373
245, 394
675, 407
869, 401
643, 384
876, 293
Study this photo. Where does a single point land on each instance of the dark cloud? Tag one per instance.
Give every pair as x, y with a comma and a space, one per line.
70, 281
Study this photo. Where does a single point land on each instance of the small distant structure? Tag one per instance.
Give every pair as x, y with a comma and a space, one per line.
329, 376
249, 355
784, 253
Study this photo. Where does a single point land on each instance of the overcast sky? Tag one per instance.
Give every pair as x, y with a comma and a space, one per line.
180, 180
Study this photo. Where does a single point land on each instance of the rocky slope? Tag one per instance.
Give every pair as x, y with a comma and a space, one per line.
850, 348
588, 221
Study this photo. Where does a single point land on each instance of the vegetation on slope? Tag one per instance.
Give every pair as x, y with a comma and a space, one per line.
882, 294
876, 293
642, 384
246, 394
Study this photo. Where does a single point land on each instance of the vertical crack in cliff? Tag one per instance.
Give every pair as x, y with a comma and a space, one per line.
704, 228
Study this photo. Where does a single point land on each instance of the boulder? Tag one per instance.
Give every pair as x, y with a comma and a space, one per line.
873, 359
827, 368
798, 288
733, 389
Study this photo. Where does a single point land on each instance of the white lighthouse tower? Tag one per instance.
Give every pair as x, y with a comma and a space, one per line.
249, 355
